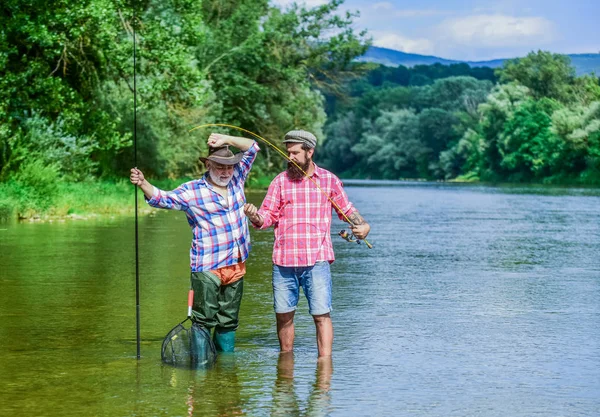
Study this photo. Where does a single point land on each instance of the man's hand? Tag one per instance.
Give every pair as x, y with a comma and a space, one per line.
252, 213
216, 140
361, 231
360, 228
136, 177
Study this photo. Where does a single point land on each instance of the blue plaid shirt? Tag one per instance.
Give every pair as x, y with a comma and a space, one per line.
220, 231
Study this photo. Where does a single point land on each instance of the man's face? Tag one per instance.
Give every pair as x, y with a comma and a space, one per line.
301, 157
219, 174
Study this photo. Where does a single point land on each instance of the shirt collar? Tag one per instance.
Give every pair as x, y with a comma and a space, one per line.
318, 171
203, 180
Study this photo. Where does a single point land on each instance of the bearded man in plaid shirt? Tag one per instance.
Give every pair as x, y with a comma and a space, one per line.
301, 215
214, 206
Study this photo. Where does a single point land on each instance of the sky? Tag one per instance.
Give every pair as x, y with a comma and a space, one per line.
477, 30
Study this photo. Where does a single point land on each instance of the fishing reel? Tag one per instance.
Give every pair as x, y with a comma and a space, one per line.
349, 237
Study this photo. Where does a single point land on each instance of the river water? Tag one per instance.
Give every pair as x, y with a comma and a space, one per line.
475, 301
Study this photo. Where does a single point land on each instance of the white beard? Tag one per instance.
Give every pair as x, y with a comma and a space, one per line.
220, 181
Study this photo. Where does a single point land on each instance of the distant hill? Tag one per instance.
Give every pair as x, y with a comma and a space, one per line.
583, 63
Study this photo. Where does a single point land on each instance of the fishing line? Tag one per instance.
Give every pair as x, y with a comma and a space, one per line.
290, 160
137, 262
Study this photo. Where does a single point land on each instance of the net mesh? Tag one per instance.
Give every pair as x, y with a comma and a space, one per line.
190, 348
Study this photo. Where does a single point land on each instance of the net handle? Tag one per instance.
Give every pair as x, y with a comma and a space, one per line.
190, 302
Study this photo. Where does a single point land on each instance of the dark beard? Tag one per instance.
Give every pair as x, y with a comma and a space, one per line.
296, 174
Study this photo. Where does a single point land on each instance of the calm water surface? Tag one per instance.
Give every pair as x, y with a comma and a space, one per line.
476, 301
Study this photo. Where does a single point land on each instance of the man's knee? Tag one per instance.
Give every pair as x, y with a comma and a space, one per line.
285, 318
322, 318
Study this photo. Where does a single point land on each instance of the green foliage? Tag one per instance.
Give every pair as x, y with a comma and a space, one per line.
545, 74
539, 124
69, 66
442, 112
67, 82
392, 146
53, 55
263, 64
34, 187
342, 134
527, 144
579, 131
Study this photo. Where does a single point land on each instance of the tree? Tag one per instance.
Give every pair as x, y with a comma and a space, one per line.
342, 134
499, 107
437, 132
545, 74
392, 148
243, 63
527, 144
579, 131
265, 63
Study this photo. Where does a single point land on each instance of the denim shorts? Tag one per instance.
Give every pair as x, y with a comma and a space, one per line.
314, 280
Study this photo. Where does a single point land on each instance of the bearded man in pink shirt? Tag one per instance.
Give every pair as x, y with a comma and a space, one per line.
300, 213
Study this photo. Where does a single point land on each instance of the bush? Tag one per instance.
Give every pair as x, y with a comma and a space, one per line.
35, 187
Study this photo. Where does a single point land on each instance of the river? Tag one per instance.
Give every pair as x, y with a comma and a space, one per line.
475, 301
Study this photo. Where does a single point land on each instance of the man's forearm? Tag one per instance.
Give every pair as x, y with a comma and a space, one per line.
243, 144
148, 189
356, 219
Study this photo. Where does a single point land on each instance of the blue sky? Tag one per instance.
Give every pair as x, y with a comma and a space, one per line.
478, 30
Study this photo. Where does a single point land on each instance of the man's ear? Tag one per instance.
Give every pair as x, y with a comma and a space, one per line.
310, 152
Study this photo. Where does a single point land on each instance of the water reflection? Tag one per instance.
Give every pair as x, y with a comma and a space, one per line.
209, 392
286, 401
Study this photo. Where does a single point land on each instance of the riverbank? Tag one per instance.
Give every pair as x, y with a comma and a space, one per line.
80, 200
85, 200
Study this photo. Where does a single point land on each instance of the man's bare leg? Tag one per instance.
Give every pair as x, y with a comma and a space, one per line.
285, 331
324, 334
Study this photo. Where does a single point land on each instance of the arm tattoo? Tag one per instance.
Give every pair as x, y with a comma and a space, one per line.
356, 219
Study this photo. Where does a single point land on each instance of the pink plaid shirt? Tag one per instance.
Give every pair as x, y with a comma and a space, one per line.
301, 216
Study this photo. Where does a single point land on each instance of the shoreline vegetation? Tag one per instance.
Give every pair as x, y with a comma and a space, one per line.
97, 198
82, 200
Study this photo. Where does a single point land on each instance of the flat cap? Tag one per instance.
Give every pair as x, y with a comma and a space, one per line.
300, 136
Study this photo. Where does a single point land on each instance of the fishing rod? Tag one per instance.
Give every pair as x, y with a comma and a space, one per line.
137, 262
349, 237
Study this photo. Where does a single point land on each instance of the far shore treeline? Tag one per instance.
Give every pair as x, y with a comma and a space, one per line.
66, 102
532, 120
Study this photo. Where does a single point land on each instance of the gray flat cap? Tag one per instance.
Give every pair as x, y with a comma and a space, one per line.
300, 136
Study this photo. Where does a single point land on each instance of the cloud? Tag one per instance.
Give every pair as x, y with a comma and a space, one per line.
496, 30
383, 6
403, 13
402, 43
308, 3
420, 12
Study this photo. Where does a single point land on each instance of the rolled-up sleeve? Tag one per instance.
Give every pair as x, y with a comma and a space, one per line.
243, 167
342, 203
